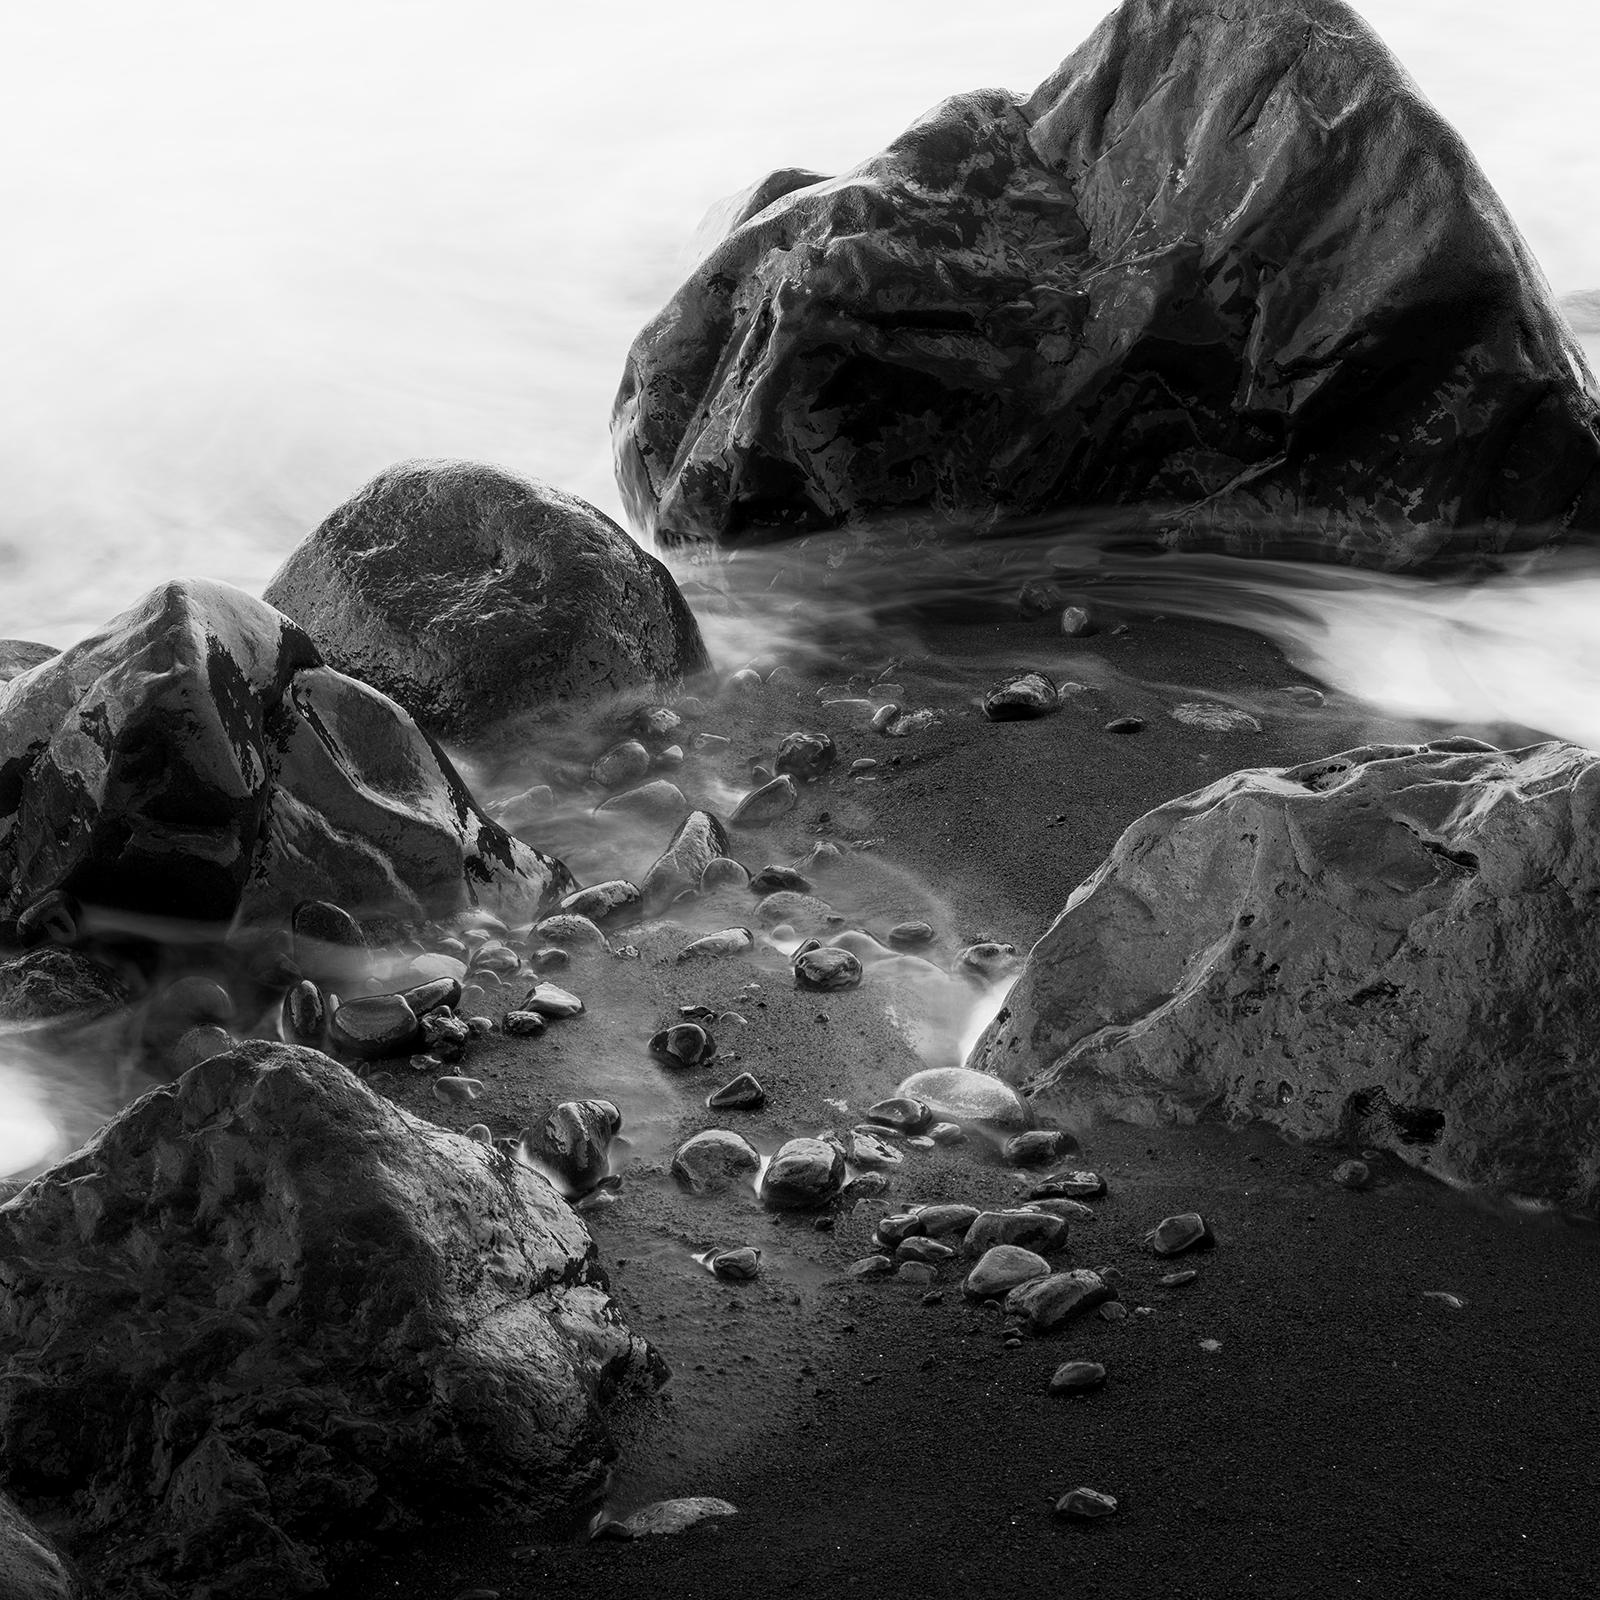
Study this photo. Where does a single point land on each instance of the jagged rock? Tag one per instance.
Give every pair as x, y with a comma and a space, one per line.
700, 840
1018, 699
743, 1093
806, 756
571, 1144
50, 983
264, 1316
21, 655
469, 596
195, 759
30, 1568
1225, 263
1390, 946
715, 1160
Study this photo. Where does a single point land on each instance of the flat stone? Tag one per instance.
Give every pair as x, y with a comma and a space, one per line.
549, 1000
602, 900
946, 1221
1002, 1269
1073, 1185
903, 1113
1077, 1377
725, 942
1173, 1235
922, 1249
374, 1026
1034, 1229
1086, 1505
673, 1516
910, 935
917, 1272
743, 1093
1046, 1304
739, 1265
1214, 717
870, 1267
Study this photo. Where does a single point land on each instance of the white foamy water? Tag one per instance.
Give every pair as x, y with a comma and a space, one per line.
257, 253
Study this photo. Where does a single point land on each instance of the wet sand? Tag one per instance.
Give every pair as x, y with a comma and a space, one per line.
1350, 1435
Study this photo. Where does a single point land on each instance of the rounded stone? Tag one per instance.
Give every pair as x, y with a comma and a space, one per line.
1173, 1235
1086, 1505
722, 872
200, 1044
827, 970
374, 1026
910, 935
967, 1096
571, 1144
1077, 1377
1037, 1230
804, 1175
766, 804
1037, 1147
1045, 1304
1002, 1269
714, 1161
1029, 694
470, 596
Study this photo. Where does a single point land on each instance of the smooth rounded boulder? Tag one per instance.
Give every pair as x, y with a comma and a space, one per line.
1392, 946
471, 596
1225, 266
196, 759
265, 1317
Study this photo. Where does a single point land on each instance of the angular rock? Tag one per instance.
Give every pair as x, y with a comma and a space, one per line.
1036, 1230
714, 1161
58, 984
743, 1093
865, 1150
773, 879
806, 756
1037, 1147
1086, 1505
523, 1024
471, 596
1068, 1186
195, 758
725, 942
22, 655
987, 959
550, 1000
1001, 1269
410, 1326
772, 800
1030, 694
1045, 1304
1384, 947
804, 1175
1324, 336
571, 1144
700, 839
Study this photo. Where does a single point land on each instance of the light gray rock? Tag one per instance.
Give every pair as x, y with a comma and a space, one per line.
1045, 1304
968, 1096
803, 1176
1389, 944
714, 1161
1002, 1269
1037, 1230
700, 839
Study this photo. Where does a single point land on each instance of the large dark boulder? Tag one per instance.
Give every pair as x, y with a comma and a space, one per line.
1226, 265
1395, 946
470, 595
196, 759
265, 1315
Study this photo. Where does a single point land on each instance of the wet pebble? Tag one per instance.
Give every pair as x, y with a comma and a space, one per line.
304, 1015
1003, 1269
597, 902
961, 1093
571, 932
1125, 725
725, 942
766, 804
946, 1221
684, 1044
1353, 1175
669, 759
827, 970
55, 916
200, 1044
656, 722
622, 764
714, 1161
909, 723
1076, 623
572, 1144
737, 1266
1113, 1311
895, 1229
803, 1175
806, 756
550, 959
1214, 717
743, 1093
1173, 1235
722, 872
1068, 1210
656, 801
1036, 1230
863, 764
1037, 1147
910, 935
549, 1000
374, 1025
456, 1091
921, 1249
523, 1024
1077, 1377
444, 1034
865, 1186
1086, 1505
1029, 694
665, 1516
947, 1133
870, 1267
901, 1113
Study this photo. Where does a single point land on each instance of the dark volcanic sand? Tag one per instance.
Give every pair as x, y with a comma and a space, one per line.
1350, 1436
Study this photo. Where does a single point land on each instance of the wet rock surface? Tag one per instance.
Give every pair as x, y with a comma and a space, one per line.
196, 756
406, 1320
471, 596
57, 984
1385, 944
1225, 263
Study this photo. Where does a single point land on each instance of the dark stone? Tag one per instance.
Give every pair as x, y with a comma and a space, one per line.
51, 983
373, 1026
242, 1339
773, 880
304, 1014
1387, 948
684, 1044
806, 756
803, 1175
700, 839
714, 1161
827, 970
1225, 264
602, 900
772, 800
55, 917
195, 759
1029, 694
743, 1093
471, 596
30, 1567
572, 1144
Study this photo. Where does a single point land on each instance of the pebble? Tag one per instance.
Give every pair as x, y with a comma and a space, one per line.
571, 1146
1086, 1505
522, 810
928, 1250
571, 931
902, 1113
551, 959
961, 1093
725, 942
1303, 694
1039, 597
304, 1014
894, 1230
870, 1267
1076, 623
1214, 718
770, 879
494, 959
1075, 1377
1125, 725
522, 1024
621, 765
374, 1025
865, 1186
479, 1027
917, 1272
988, 958
865, 1150
1033, 1229
669, 759
711, 741
920, 1141
944, 1221
820, 858
656, 722
656, 801
827, 970
664, 1516
597, 902
1176, 1280
738, 1266
200, 1044
1069, 1210
863, 764
797, 910
1068, 1186
691, 706
1113, 1311
551, 1001
1173, 1235
806, 756
429, 996
436, 964
746, 681
480, 1132
864, 947
714, 1161
947, 1133
933, 1298
804, 1175
684, 1044
456, 1091
910, 935
766, 804
743, 1093
883, 716
722, 872
1037, 1147
444, 1034
1353, 1175
1029, 694
1003, 1269
911, 722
